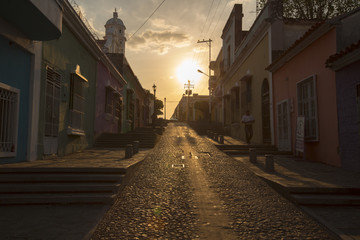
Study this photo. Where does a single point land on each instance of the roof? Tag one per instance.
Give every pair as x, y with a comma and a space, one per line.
115, 20
315, 31
307, 34
333, 58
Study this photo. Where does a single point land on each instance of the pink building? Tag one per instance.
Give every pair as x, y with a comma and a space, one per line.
303, 86
109, 99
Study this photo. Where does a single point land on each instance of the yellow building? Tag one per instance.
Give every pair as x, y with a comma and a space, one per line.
245, 84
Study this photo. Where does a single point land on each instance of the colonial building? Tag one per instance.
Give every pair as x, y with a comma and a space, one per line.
245, 84
22, 30
346, 65
134, 101
68, 88
305, 88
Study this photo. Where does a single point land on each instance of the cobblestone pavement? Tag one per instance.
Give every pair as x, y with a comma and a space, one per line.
212, 197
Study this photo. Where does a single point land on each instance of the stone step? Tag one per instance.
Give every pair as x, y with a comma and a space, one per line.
147, 139
122, 144
60, 177
323, 190
61, 198
59, 170
59, 185
327, 199
258, 152
7, 188
245, 147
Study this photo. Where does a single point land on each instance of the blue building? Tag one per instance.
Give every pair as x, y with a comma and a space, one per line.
20, 64
346, 64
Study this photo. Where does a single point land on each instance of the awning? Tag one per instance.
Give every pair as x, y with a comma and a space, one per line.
38, 20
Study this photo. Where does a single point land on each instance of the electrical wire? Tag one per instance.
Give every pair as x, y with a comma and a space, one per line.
147, 19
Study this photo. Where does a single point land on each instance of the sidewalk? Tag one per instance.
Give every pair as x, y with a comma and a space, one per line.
68, 221
295, 174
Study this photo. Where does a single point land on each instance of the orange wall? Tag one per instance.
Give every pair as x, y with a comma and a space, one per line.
311, 61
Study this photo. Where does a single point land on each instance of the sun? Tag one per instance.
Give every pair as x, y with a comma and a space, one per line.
187, 70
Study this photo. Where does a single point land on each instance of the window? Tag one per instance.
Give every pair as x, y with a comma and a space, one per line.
9, 111
235, 104
246, 94
307, 107
117, 105
228, 56
53, 79
77, 103
109, 100
113, 102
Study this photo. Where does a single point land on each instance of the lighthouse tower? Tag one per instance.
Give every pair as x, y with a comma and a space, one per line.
115, 35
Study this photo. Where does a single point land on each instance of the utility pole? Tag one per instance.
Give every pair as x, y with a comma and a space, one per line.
208, 42
188, 86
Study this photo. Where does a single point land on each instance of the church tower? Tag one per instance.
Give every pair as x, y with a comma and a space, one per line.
115, 35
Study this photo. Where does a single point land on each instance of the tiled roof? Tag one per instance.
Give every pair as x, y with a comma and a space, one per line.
101, 43
342, 53
311, 30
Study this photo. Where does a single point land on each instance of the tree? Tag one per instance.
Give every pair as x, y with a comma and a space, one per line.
311, 9
159, 105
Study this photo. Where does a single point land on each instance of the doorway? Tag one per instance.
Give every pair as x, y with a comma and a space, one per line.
283, 126
265, 112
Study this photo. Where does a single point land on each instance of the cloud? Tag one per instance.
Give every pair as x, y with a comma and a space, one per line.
158, 41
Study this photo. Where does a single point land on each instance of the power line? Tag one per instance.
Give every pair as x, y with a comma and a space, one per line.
147, 19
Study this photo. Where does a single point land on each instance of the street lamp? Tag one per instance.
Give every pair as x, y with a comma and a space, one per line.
154, 114
202, 72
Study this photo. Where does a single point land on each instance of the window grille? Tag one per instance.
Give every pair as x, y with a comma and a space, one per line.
109, 100
117, 105
77, 102
53, 79
9, 110
307, 107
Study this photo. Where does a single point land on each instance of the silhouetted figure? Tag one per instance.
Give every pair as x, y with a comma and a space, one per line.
248, 120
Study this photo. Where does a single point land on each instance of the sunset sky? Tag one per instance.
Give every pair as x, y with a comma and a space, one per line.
165, 50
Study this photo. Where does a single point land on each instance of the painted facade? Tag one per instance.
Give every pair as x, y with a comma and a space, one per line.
346, 65
348, 104
246, 85
308, 91
68, 80
135, 100
109, 101
20, 64
305, 86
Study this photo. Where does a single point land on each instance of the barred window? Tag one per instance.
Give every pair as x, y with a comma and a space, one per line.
307, 107
77, 103
53, 79
117, 105
109, 100
9, 112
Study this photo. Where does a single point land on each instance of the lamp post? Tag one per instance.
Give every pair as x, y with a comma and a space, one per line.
154, 114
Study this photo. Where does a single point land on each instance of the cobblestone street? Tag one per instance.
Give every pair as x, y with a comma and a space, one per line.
187, 189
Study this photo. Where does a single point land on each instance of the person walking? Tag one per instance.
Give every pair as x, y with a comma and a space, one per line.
248, 120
